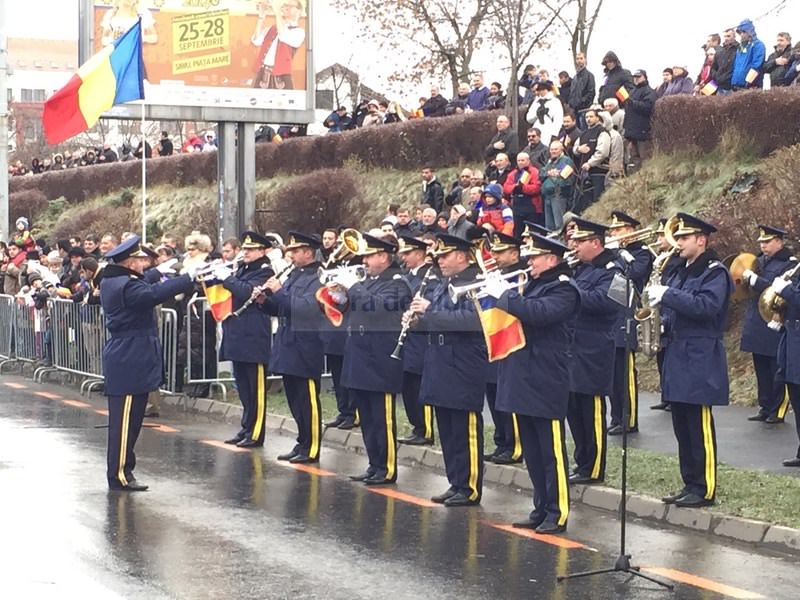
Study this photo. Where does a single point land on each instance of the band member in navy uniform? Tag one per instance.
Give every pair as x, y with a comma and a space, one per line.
413, 252
246, 339
373, 378
592, 367
759, 339
694, 305
636, 264
505, 251
297, 351
533, 382
789, 350
132, 357
453, 381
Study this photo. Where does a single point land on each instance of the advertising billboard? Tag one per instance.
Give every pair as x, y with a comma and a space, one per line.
245, 55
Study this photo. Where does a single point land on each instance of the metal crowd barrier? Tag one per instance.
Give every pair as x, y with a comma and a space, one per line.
6, 329
79, 334
168, 333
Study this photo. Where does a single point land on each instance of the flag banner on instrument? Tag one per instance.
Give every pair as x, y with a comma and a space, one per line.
220, 300
502, 331
112, 76
710, 88
329, 306
622, 94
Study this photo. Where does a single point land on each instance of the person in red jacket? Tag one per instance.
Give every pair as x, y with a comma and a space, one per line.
493, 214
522, 186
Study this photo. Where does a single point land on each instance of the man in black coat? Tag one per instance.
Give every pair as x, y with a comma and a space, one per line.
505, 141
616, 77
132, 357
722, 67
297, 351
638, 112
582, 89
432, 190
777, 64
435, 105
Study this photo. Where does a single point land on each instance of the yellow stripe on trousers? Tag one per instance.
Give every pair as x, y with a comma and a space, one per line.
123, 439
427, 415
784, 405
598, 436
631, 390
517, 453
561, 473
711, 459
473, 454
391, 460
260, 401
312, 398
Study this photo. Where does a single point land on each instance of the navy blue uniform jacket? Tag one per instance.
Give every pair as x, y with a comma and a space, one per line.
789, 345
376, 306
534, 380
297, 348
247, 338
592, 367
416, 343
456, 359
132, 357
756, 336
695, 312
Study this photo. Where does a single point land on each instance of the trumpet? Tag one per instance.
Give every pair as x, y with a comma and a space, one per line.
331, 276
478, 288
207, 272
620, 241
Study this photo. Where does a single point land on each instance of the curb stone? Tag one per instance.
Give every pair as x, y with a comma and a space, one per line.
774, 537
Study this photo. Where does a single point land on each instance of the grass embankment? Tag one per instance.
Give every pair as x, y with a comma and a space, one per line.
742, 492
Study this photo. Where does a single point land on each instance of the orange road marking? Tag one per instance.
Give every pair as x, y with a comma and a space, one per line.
162, 428
16, 386
101, 411
223, 446
702, 582
403, 497
48, 395
76, 403
553, 540
309, 469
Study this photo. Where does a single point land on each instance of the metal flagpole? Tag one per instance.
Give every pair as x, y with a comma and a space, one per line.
144, 178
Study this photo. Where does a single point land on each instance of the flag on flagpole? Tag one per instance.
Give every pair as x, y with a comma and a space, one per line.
112, 76
502, 331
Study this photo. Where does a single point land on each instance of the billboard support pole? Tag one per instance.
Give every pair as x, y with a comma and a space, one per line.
246, 171
228, 190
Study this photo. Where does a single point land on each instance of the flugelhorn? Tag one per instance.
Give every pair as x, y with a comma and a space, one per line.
207, 272
456, 291
331, 276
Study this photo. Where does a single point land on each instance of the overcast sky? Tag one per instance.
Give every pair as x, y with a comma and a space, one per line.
645, 34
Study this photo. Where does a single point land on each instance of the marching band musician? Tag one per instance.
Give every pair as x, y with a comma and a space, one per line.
759, 339
625, 388
453, 380
297, 352
413, 252
533, 382
673, 262
505, 250
132, 356
372, 377
695, 309
592, 368
246, 339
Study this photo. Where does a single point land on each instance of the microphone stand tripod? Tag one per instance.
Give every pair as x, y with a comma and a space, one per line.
623, 562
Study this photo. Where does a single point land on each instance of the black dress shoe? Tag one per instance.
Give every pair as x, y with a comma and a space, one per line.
440, 499
288, 455
248, 443
668, 407
490, 457
550, 528
673, 497
758, 417
347, 424
460, 499
692, 500
528, 523
773, 420
505, 458
133, 486
583, 479
378, 481
362, 477
153, 414
415, 440
235, 440
660, 406
335, 423
791, 462
615, 430
303, 458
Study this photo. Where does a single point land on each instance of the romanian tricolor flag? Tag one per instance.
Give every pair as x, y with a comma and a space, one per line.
566, 171
709, 89
220, 300
622, 94
502, 331
525, 177
112, 76
330, 307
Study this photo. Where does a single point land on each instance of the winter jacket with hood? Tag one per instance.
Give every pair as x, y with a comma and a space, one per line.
615, 79
749, 55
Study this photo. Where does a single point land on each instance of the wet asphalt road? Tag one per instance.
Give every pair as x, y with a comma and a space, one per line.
224, 524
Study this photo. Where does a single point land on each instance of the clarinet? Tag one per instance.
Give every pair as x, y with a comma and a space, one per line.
397, 353
260, 289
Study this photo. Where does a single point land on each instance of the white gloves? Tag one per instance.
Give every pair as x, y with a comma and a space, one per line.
190, 270
347, 278
655, 293
166, 267
222, 273
750, 276
495, 287
779, 284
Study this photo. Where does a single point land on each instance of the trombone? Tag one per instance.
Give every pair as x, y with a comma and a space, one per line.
510, 280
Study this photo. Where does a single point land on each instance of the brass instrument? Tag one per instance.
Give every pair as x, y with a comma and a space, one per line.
571, 258
648, 317
620, 241
478, 288
330, 277
408, 322
737, 265
349, 245
207, 272
771, 306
